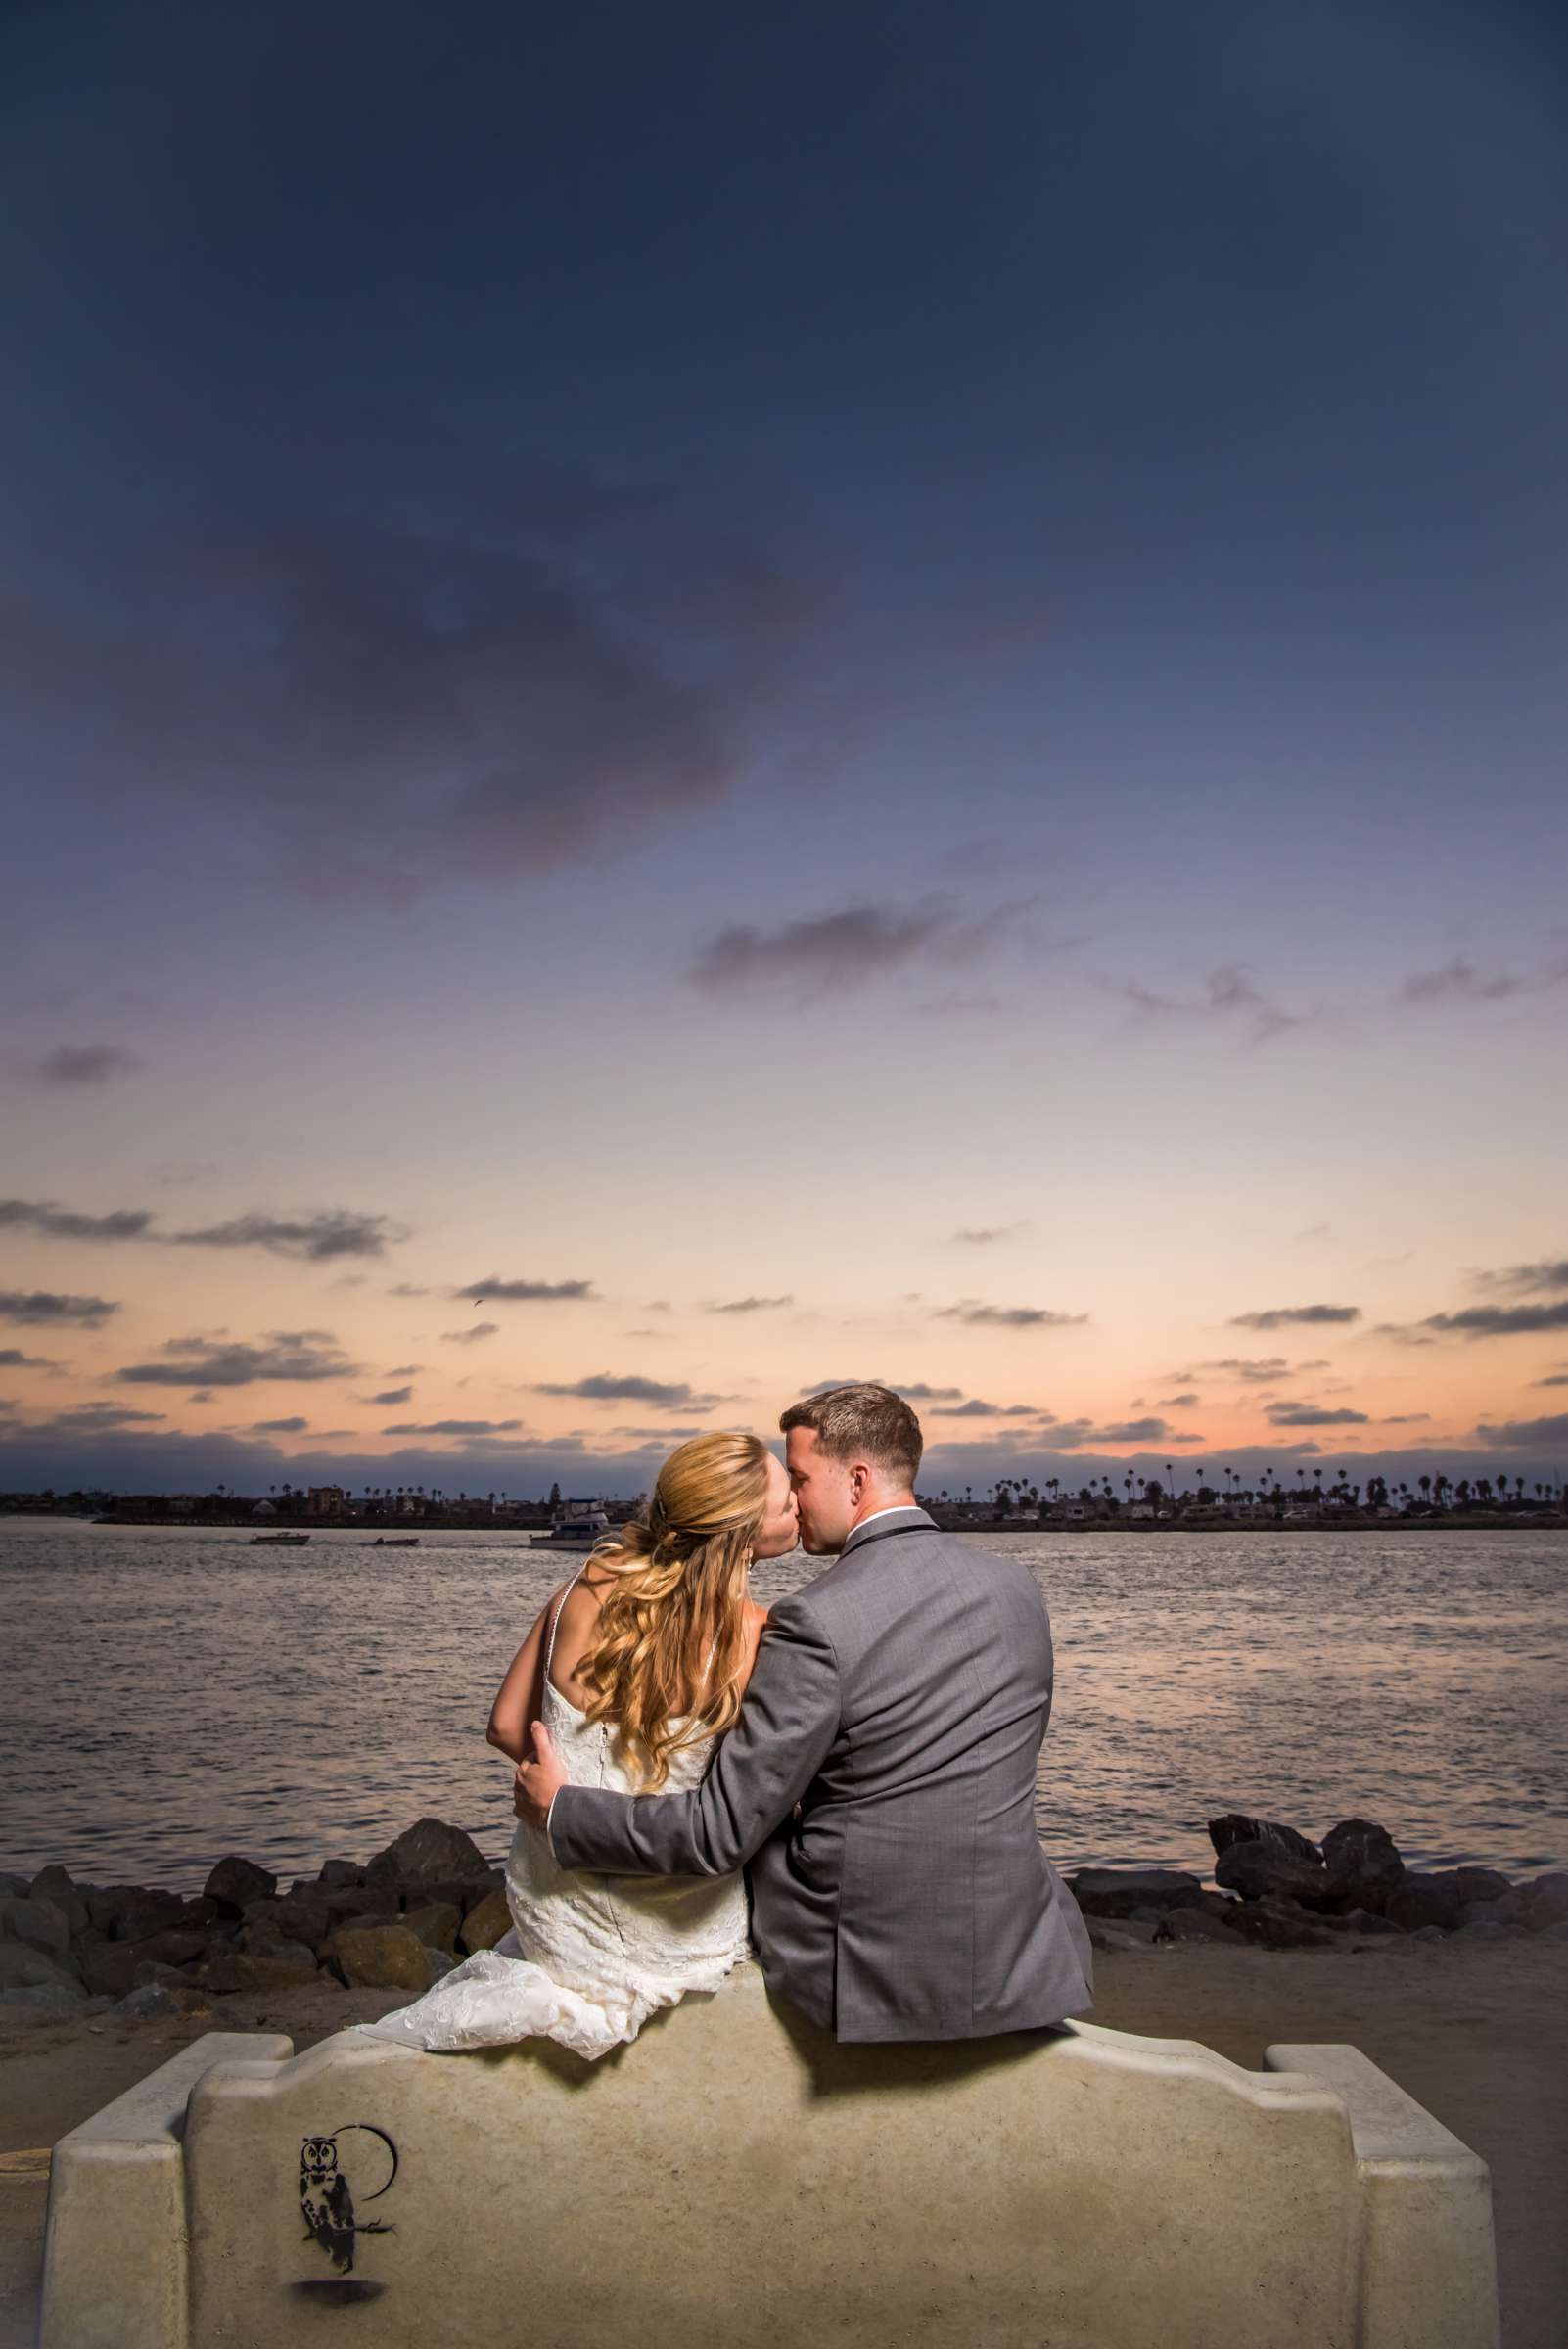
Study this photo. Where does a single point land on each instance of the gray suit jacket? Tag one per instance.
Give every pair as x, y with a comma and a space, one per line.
880, 1782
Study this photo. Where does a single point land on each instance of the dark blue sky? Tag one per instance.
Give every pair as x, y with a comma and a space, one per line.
536, 545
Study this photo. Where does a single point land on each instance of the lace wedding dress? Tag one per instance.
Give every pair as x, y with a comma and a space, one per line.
589, 1957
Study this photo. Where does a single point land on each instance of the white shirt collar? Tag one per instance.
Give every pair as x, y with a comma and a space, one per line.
901, 1508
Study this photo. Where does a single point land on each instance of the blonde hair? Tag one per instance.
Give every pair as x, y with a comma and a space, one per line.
679, 1590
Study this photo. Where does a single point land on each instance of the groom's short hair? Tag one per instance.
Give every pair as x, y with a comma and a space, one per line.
861, 1422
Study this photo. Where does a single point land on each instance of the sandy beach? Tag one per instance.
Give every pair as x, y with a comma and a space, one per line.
1479, 2034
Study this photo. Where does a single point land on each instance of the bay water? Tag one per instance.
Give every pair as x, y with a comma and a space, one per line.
167, 1695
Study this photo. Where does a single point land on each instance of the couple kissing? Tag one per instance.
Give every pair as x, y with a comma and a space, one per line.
842, 1785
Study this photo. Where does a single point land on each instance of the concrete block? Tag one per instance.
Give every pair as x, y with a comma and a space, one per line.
734, 2178
1427, 2254
116, 2272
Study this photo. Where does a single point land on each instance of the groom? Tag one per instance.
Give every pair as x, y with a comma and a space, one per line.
879, 1784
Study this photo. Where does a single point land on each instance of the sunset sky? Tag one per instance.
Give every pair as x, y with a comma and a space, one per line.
845, 692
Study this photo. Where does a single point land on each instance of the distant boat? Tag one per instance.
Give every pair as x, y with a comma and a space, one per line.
579, 1531
396, 1541
278, 1541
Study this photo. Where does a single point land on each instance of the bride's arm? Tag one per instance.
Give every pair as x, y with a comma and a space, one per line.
520, 1698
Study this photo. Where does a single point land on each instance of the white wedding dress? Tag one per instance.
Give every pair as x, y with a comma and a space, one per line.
589, 1957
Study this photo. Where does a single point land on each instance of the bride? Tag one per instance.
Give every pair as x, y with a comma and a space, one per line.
637, 1667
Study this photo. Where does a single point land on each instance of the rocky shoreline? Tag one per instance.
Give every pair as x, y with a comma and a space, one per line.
402, 1920
1275, 1888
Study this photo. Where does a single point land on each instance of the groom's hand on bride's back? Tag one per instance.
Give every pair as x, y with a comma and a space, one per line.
538, 1779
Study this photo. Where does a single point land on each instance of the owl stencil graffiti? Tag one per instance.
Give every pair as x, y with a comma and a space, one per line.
327, 2197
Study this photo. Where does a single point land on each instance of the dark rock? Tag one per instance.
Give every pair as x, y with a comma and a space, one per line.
1118, 1891
1481, 1930
304, 1916
441, 1962
61, 1996
459, 1891
200, 1913
175, 1947
1548, 1899
494, 1880
107, 1967
435, 1924
335, 1875
1363, 1922
1119, 1933
292, 1953
11, 1887
219, 1975
235, 1881
52, 1883
380, 1957
1236, 1827
429, 1853
1363, 1864
1257, 1869
1277, 1924
1428, 1933
38, 1921
485, 1924
104, 1902
368, 1901
1433, 1898
1196, 1924
230, 1971
1511, 1911
256, 1933
153, 1969
22, 1967
1482, 1883
162, 1998
151, 1998
140, 1913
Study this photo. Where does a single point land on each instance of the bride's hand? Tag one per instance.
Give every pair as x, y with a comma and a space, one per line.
538, 1781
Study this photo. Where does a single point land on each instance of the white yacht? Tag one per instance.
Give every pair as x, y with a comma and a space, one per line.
578, 1526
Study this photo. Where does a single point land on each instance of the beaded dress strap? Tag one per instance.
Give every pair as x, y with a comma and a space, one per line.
549, 1648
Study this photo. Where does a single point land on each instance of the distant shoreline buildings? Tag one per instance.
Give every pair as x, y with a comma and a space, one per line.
1010, 1505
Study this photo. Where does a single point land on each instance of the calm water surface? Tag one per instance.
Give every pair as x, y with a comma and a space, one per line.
166, 1696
